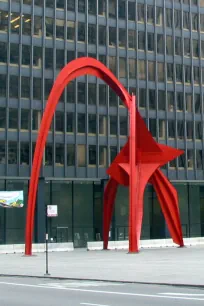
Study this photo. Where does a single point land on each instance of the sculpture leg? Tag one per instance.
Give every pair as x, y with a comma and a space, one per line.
168, 198
33, 187
108, 205
138, 203
133, 180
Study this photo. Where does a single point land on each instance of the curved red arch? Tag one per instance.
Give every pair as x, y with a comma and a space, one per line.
71, 71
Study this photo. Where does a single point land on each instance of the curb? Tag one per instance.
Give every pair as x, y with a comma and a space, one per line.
103, 280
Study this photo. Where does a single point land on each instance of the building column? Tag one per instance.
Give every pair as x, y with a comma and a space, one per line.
40, 215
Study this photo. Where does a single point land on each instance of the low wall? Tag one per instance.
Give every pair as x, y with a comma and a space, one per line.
154, 243
98, 245
37, 248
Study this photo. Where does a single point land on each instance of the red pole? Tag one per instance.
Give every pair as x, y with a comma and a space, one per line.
133, 247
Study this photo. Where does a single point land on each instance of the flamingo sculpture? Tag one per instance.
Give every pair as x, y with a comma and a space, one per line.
136, 164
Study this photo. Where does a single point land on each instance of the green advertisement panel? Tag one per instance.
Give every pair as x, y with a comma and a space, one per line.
10, 199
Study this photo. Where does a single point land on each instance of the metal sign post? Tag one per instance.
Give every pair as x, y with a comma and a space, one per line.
51, 211
47, 274
46, 242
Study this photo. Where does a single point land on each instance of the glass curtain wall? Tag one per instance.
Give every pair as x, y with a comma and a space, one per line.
83, 213
61, 226
2, 216
121, 213
98, 211
79, 211
12, 221
153, 225
15, 218
191, 206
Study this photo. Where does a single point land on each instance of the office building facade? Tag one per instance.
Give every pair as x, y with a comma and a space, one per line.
156, 49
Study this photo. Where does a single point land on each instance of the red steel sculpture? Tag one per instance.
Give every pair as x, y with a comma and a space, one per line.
137, 164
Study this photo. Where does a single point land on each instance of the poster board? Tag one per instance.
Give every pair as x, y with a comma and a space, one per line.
52, 210
11, 199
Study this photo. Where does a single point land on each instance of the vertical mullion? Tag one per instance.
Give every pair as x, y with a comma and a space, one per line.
65, 94
43, 80
86, 98
117, 73
97, 102
8, 88
127, 79
175, 92
137, 62
156, 77
184, 96
127, 49
193, 95
200, 84
107, 88
76, 91
31, 84
146, 69
19, 90
165, 78
53, 77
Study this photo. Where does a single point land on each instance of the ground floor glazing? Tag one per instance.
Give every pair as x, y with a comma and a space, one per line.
80, 212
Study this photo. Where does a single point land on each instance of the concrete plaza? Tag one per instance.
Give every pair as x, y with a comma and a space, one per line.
166, 265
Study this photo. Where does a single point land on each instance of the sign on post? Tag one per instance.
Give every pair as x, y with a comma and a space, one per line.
10, 199
52, 210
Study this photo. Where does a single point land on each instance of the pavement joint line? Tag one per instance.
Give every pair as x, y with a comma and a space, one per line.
89, 304
104, 280
107, 292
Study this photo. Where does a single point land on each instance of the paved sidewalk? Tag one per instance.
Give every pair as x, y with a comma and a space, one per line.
166, 265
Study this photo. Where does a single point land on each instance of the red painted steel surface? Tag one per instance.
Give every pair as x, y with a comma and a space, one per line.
168, 198
149, 156
109, 199
135, 165
134, 202
71, 71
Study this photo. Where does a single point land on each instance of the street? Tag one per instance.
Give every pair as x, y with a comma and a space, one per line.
54, 292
